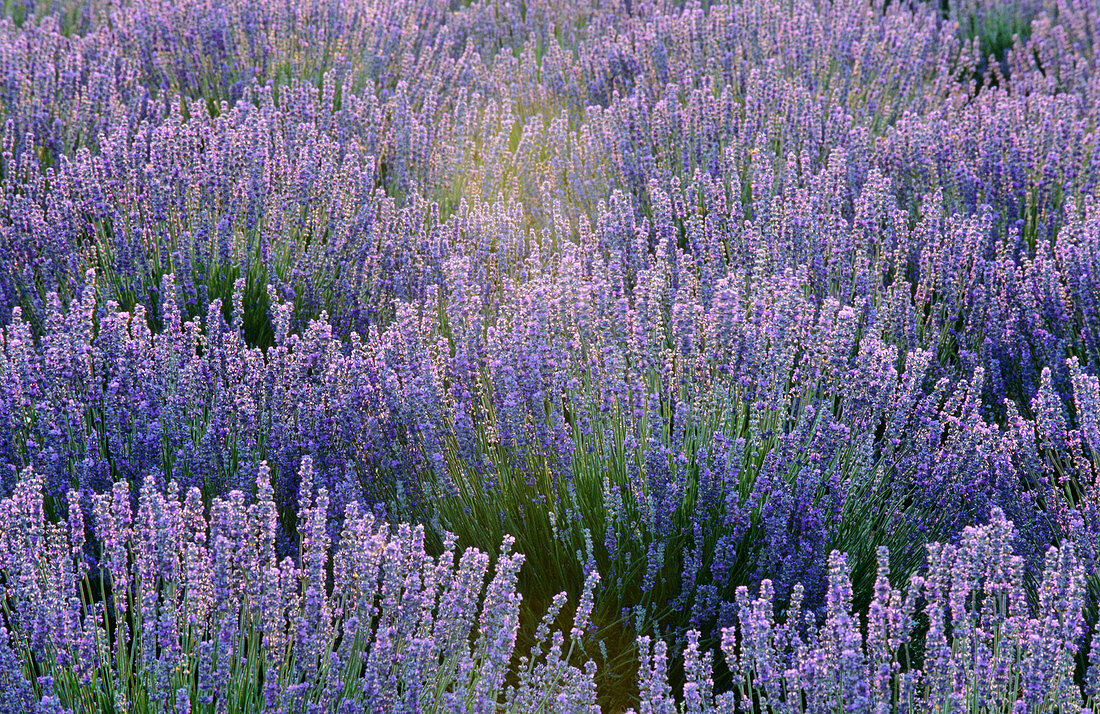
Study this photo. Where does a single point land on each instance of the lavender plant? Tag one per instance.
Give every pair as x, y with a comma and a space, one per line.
985, 648
182, 611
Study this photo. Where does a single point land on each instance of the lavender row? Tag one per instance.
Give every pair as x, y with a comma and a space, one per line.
962, 214
185, 612
726, 446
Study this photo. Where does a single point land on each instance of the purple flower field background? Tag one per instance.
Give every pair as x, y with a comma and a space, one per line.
549, 356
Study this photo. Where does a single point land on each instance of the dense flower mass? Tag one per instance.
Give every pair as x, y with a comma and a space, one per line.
759, 340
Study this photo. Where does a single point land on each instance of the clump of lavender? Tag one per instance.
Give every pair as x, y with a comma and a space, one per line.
190, 609
985, 647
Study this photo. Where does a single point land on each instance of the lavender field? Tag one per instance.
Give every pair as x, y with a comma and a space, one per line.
549, 356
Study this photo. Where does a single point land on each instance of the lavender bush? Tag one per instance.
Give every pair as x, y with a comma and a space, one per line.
986, 649
189, 612
678, 300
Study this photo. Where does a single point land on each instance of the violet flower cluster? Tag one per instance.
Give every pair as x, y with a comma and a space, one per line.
193, 612
986, 648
